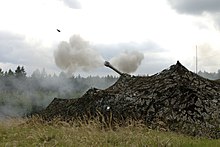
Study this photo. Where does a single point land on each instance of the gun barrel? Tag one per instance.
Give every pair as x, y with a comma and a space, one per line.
107, 64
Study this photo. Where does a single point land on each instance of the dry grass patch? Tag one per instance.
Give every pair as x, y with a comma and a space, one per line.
36, 132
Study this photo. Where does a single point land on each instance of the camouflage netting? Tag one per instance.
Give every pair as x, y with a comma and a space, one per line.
175, 99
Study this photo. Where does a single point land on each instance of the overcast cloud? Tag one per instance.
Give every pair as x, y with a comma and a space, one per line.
207, 57
195, 6
75, 4
14, 49
29, 36
206, 8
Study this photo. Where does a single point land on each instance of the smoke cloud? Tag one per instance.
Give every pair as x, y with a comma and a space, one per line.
77, 54
128, 61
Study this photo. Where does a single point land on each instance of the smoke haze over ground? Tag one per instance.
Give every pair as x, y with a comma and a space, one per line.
21, 95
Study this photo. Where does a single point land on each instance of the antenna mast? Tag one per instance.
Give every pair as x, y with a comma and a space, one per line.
196, 61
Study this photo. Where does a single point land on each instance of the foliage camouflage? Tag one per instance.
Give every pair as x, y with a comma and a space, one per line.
175, 99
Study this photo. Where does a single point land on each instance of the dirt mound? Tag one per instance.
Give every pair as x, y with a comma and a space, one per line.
175, 99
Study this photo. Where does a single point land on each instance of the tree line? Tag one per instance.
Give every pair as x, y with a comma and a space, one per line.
210, 75
19, 72
40, 80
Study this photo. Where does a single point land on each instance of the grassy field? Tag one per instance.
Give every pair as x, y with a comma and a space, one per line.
34, 132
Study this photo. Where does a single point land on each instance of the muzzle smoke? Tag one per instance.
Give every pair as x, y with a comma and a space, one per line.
128, 61
77, 54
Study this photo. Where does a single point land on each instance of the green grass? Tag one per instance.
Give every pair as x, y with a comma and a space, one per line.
34, 132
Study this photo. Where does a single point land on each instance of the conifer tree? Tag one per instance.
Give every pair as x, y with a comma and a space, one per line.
20, 72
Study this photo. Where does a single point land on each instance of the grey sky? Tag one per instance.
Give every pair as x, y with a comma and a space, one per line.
28, 35
210, 8
195, 6
75, 4
14, 49
115, 49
